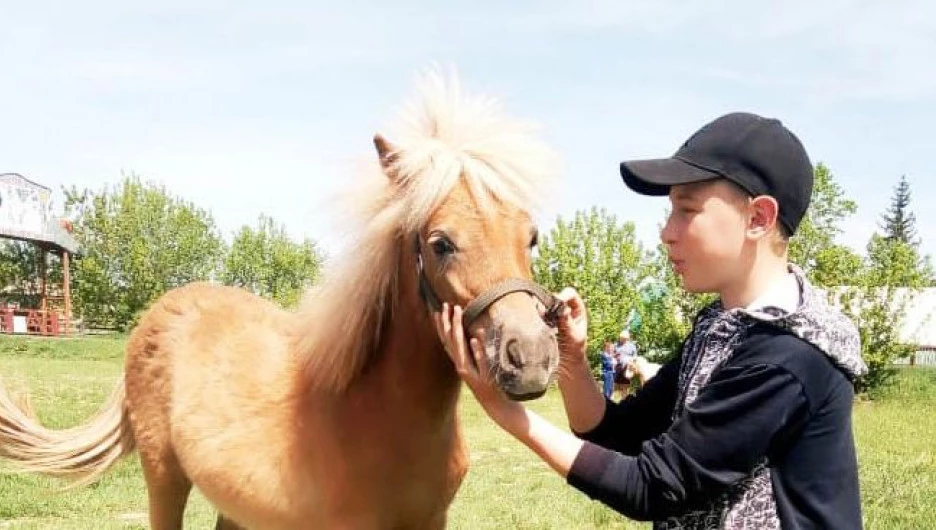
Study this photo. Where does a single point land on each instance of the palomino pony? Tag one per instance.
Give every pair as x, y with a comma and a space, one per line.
341, 414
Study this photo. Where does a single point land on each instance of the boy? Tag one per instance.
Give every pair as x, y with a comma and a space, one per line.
750, 426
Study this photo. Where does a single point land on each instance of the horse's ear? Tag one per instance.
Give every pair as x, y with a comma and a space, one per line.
386, 152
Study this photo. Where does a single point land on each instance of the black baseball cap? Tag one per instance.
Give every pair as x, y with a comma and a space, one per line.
758, 154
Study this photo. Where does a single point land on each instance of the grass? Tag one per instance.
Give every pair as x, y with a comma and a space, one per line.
506, 487
896, 439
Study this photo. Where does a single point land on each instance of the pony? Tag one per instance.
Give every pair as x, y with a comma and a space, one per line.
641, 367
340, 413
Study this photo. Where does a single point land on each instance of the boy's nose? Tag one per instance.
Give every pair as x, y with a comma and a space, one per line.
667, 235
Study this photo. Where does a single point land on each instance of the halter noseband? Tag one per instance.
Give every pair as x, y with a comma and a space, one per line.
482, 302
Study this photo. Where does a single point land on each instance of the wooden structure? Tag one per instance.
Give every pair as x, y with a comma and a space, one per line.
26, 215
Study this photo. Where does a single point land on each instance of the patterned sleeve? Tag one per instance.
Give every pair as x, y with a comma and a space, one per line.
639, 417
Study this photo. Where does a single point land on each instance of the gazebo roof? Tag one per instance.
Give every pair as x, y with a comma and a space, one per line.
26, 214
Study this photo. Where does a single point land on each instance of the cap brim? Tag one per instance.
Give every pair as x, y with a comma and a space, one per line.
655, 177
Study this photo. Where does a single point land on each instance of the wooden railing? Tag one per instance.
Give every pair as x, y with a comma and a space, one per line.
32, 321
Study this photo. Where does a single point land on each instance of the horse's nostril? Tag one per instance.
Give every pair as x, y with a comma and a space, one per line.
514, 354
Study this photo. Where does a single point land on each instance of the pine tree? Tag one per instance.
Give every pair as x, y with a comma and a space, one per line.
899, 221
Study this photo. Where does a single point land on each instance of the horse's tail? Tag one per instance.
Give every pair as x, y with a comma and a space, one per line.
80, 454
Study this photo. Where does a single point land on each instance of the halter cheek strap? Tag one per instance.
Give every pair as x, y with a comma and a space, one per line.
425, 290
479, 305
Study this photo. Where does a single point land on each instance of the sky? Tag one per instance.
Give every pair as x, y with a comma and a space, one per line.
250, 108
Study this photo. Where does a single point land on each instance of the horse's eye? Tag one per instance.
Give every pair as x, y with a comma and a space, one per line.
443, 247
534, 240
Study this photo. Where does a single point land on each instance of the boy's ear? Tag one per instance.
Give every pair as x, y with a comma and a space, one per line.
763, 215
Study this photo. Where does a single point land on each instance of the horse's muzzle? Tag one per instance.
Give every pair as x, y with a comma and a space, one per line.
526, 362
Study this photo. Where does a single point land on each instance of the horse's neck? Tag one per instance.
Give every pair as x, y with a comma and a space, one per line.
410, 362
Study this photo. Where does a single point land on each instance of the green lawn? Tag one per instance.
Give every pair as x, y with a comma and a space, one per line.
506, 487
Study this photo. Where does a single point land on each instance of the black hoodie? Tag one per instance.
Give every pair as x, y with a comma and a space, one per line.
750, 427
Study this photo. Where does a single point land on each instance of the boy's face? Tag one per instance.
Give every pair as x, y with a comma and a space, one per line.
706, 233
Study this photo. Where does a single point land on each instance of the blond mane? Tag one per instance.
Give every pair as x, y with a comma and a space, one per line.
444, 136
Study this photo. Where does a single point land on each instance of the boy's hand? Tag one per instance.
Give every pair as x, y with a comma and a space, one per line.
573, 328
471, 364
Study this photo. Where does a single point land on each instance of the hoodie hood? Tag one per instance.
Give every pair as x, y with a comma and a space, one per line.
819, 323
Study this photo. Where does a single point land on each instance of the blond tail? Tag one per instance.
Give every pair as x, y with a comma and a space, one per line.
80, 454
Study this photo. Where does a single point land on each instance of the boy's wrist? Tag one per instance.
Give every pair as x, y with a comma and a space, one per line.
573, 368
573, 355
511, 417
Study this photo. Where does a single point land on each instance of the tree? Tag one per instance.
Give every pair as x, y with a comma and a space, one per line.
877, 303
266, 262
137, 242
899, 221
19, 271
893, 262
813, 247
666, 309
836, 265
602, 259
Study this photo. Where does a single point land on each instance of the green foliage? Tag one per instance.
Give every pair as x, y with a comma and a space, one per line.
891, 277
899, 221
20, 272
666, 318
836, 265
601, 258
895, 263
813, 247
874, 312
266, 262
137, 242
19, 263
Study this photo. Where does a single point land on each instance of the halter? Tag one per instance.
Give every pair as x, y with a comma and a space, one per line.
482, 302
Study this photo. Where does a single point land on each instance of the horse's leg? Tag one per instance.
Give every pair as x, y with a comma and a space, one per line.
226, 524
149, 394
168, 489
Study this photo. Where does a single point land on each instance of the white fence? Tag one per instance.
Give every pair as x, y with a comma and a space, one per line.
920, 358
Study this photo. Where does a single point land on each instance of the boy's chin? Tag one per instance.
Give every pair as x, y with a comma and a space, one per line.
694, 290
695, 287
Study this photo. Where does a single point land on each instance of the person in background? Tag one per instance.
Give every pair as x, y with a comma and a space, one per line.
608, 363
625, 351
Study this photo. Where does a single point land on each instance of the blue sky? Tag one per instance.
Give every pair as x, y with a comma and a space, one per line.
250, 108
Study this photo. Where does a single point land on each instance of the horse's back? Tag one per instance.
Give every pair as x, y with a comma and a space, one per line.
202, 329
212, 369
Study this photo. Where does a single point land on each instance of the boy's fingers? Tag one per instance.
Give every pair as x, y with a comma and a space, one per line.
437, 320
477, 354
446, 321
573, 302
567, 294
458, 333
